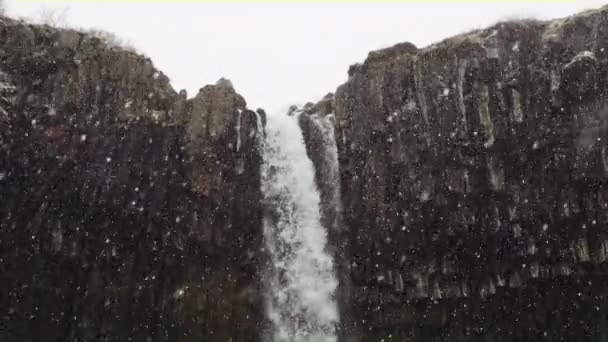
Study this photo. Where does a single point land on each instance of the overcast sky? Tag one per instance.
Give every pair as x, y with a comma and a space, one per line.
278, 54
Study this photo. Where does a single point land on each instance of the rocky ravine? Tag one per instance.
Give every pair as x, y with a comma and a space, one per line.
473, 182
128, 211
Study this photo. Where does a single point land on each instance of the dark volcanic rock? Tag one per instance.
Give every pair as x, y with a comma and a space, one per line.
472, 175
128, 212
473, 181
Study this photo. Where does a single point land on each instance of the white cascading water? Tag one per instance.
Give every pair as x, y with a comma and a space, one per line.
301, 281
326, 126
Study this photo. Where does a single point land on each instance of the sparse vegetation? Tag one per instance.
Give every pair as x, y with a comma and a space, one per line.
56, 17
111, 39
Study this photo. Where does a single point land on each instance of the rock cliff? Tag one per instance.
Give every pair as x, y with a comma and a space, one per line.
463, 186
129, 212
473, 182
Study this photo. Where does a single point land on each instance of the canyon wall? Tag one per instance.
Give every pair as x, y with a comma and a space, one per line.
129, 212
473, 182
464, 191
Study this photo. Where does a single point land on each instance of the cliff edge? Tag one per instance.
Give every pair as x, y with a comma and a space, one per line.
129, 212
473, 181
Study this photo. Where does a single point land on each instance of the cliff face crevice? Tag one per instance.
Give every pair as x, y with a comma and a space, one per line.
473, 183
128, 211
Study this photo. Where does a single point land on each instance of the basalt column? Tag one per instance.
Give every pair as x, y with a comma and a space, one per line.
473, 182
129, 212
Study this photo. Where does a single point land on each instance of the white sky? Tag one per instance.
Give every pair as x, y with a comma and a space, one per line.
277, 54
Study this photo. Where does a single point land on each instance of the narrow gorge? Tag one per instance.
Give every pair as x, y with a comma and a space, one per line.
456, 192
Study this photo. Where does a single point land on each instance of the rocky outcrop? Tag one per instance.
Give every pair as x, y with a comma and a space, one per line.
473, 182
129, 212
317, 124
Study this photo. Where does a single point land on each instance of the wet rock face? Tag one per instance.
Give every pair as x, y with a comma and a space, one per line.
317, 124
473, 184
128, 211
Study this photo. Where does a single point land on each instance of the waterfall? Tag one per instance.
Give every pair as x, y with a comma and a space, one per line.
326, 125
301, 282
238, 129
